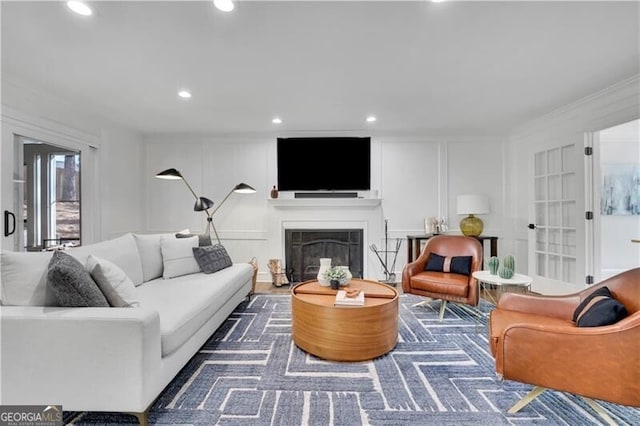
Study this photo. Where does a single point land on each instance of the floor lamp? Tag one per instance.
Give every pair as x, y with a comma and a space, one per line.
241, 188
203, 204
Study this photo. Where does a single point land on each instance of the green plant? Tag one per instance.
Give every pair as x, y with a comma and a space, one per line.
509, 262
505, 272
335, 273
494, 262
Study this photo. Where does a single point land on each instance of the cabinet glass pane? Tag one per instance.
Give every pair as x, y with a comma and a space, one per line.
569, 270
568, 186
569, 242
541, 214
540, 163
541, 188
555, 162
555, 214
569, 215
568, 158
555, 241
541, 267
555, 187
555, 267
541, 239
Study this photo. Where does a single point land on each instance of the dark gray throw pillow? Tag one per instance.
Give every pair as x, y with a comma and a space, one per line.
203, 239
212, 258
72, 284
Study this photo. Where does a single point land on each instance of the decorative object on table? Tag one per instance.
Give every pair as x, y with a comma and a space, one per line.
325, 265
337, 274
348, 273
390, 275
352, 292
274, 192
494, 263
335, 284
435, 225
278, 278
508, 267
472, 204
343, 299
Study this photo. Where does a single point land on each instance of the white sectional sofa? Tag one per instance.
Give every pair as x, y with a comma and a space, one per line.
108, 359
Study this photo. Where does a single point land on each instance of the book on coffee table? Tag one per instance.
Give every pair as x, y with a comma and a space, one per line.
342, 299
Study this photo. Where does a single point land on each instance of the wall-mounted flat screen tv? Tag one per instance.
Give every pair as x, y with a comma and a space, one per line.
324, 164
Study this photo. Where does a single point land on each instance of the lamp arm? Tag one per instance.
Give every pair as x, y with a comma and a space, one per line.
196, 195
222, 202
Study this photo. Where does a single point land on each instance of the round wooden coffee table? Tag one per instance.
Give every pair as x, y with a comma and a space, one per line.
344, 333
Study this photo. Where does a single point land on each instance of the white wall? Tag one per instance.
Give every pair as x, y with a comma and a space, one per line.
416, 177
111, 158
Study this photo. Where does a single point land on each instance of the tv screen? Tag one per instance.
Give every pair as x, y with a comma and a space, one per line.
324, 164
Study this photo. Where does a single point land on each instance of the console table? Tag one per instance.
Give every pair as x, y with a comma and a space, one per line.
413, 245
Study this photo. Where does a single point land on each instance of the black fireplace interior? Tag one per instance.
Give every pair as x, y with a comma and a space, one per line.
305, 247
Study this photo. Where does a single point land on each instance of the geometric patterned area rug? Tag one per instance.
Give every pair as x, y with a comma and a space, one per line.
440, 373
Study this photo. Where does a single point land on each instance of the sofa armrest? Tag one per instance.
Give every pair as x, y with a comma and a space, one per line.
561, 307
90, 359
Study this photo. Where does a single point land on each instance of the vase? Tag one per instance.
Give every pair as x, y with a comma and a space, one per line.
325, 264
274, 192
346, 280
335, 284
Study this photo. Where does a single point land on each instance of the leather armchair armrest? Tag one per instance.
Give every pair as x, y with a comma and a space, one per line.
598, 362
561, 307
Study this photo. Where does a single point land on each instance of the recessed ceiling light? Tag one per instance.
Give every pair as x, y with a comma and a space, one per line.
277, 120
224, 5
184, 94
79, 7
371, 119
437, 1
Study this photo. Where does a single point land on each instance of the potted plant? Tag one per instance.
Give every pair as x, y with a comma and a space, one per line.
336, 275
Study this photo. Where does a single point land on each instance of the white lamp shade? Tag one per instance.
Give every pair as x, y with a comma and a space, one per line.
472, 204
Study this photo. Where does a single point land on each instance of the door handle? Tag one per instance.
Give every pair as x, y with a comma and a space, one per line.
8, 215
531, 226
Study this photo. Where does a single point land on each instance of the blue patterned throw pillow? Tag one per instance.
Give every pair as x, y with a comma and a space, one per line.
212, 258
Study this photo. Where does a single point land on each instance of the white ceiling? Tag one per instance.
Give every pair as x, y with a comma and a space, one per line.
416, 65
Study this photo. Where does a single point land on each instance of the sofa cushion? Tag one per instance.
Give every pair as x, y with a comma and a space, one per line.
212, 258
450, 264
24, 279
72, 284
122, 251
116, 286
185, 303
150, 254
177, 256
203, 239
599, 308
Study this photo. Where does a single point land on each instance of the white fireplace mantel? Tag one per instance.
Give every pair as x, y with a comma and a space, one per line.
295, 203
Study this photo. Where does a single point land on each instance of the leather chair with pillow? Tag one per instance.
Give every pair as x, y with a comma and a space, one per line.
443, 271
587, 343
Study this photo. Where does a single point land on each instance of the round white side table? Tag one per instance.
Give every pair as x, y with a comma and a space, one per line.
502, 283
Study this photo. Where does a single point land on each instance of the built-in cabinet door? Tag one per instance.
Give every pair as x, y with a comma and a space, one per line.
556, 229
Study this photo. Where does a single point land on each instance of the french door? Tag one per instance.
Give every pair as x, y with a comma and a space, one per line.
556, 235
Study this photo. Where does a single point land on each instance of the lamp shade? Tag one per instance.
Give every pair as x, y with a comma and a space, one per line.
243, 188
202, 203
171, 174
472, 204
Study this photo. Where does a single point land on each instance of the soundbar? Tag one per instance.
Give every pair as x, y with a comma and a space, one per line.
325, 195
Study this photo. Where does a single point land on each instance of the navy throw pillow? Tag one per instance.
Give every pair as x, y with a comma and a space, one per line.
598, 309
452, 264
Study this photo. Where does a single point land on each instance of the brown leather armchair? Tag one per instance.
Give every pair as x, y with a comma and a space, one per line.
534, 340
445, 286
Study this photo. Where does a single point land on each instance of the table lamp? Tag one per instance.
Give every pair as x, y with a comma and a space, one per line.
472, 204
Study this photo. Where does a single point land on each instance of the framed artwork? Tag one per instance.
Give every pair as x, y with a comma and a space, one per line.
620, 189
